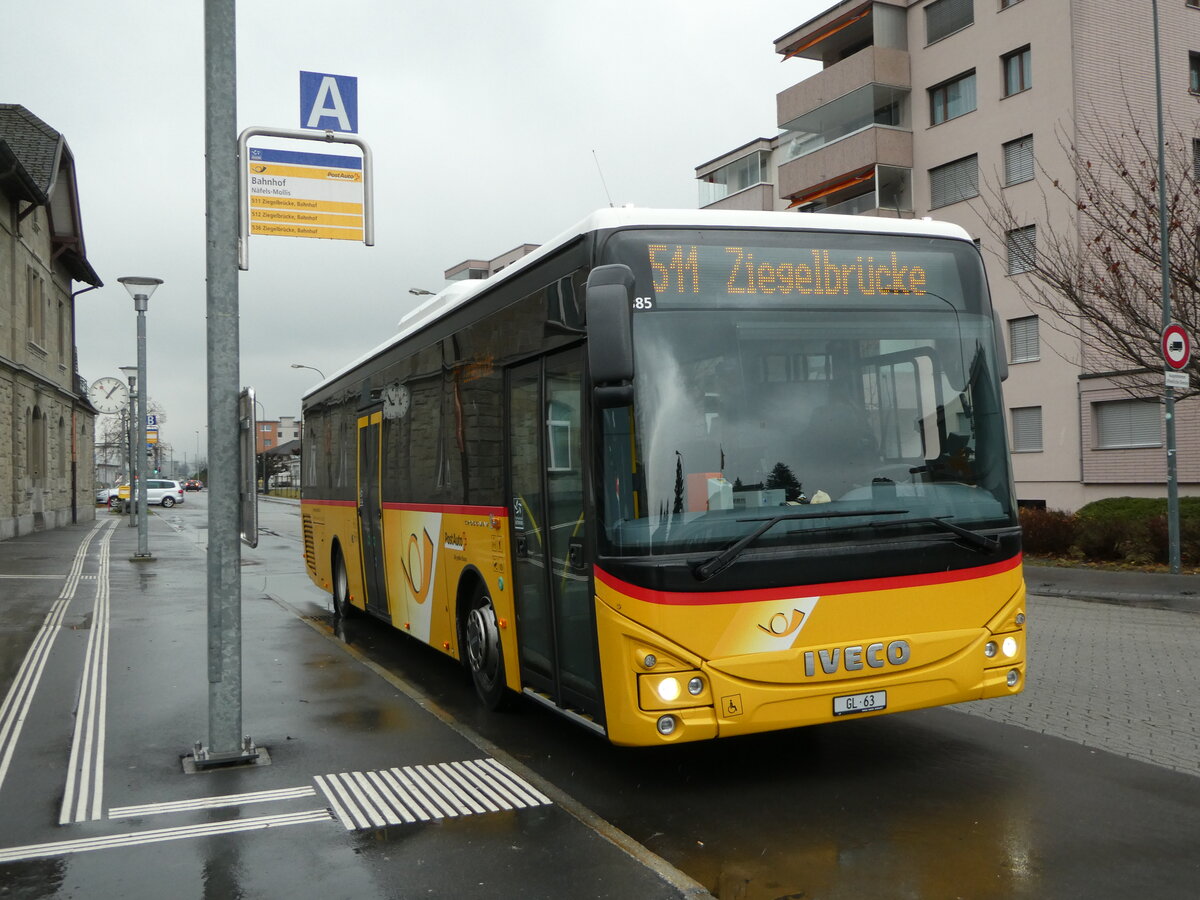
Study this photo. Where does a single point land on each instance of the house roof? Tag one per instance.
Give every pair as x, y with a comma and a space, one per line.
36, 166
291, 448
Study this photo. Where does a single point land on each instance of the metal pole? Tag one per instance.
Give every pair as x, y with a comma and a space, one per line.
131, 439
224, 552
140, 303
1164, 242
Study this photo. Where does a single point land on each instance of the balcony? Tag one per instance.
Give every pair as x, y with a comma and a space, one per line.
756, 197
872, 66
860, 151
885, 191
739, 179
873, 104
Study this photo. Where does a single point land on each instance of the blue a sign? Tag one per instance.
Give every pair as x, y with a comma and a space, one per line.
329, 102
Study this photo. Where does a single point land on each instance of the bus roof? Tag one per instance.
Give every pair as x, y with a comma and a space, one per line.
455, 295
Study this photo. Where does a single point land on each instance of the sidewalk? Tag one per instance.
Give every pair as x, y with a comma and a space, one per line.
1145, 589
369, 791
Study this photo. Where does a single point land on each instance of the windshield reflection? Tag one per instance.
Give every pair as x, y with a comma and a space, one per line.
741, 414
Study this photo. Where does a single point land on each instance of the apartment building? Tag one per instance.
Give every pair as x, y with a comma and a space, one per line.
954, 108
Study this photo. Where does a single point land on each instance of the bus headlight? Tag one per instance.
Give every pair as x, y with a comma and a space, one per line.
668, 689
989, 649
666, 725
673, 690
1009, 647
1014, 677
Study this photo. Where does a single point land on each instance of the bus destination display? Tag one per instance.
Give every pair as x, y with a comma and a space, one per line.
682, 271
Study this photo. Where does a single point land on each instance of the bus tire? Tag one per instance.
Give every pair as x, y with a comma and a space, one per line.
484, 654
342, 607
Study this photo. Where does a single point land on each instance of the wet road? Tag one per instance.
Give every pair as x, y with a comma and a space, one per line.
936, 803
1052, 794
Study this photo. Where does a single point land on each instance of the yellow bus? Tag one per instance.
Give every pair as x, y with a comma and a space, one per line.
681, 475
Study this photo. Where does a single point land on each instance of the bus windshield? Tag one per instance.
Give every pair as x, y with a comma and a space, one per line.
849, 377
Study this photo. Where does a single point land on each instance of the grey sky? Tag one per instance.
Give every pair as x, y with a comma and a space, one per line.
482, 116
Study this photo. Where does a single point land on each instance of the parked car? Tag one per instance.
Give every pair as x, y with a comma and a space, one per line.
158, 491
105, 496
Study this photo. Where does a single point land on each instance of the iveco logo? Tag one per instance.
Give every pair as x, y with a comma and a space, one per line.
852, 659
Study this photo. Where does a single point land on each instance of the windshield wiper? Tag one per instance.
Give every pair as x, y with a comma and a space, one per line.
974, 538
721, 561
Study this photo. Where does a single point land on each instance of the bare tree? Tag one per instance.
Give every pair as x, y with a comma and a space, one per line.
1100, 274
112, 434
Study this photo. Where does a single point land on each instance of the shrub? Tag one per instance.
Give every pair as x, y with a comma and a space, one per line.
1134, 530
1047, 532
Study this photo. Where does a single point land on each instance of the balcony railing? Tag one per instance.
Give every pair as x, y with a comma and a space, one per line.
869, 106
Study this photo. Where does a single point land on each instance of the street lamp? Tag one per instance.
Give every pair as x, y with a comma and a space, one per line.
314, 368
140, 290
130, 373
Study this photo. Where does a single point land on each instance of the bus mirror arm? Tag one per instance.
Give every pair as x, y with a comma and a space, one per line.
608, 396
609, 306
1001, 357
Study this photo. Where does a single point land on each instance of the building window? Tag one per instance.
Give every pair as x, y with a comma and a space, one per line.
944, 17
35, 460
36, 306
1123, 424
1196, 154
1194, 73
1018, 71
64, 450
1023, 342
954, 181
1027, 429
1018, 160
952, 98
1022, 249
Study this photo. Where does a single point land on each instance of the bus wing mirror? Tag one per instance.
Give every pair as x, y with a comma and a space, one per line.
610, 333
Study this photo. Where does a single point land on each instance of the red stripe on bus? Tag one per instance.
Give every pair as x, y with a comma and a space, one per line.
498, 511
694, 598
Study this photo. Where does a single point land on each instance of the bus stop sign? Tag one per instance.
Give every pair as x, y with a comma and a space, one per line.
1176, 346
329, 102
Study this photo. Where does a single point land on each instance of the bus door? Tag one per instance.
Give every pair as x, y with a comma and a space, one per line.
370, 512
556, 626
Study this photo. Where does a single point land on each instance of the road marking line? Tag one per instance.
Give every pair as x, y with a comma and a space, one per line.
133, 839
20, 694
335, 803
507, 775
152, 809
422, 801
391, 798
363, 800
85, 772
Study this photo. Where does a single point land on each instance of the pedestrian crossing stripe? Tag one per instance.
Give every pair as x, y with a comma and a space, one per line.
398, 796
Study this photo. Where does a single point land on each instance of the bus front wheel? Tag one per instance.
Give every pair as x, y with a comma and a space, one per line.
342, 607
485, 656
